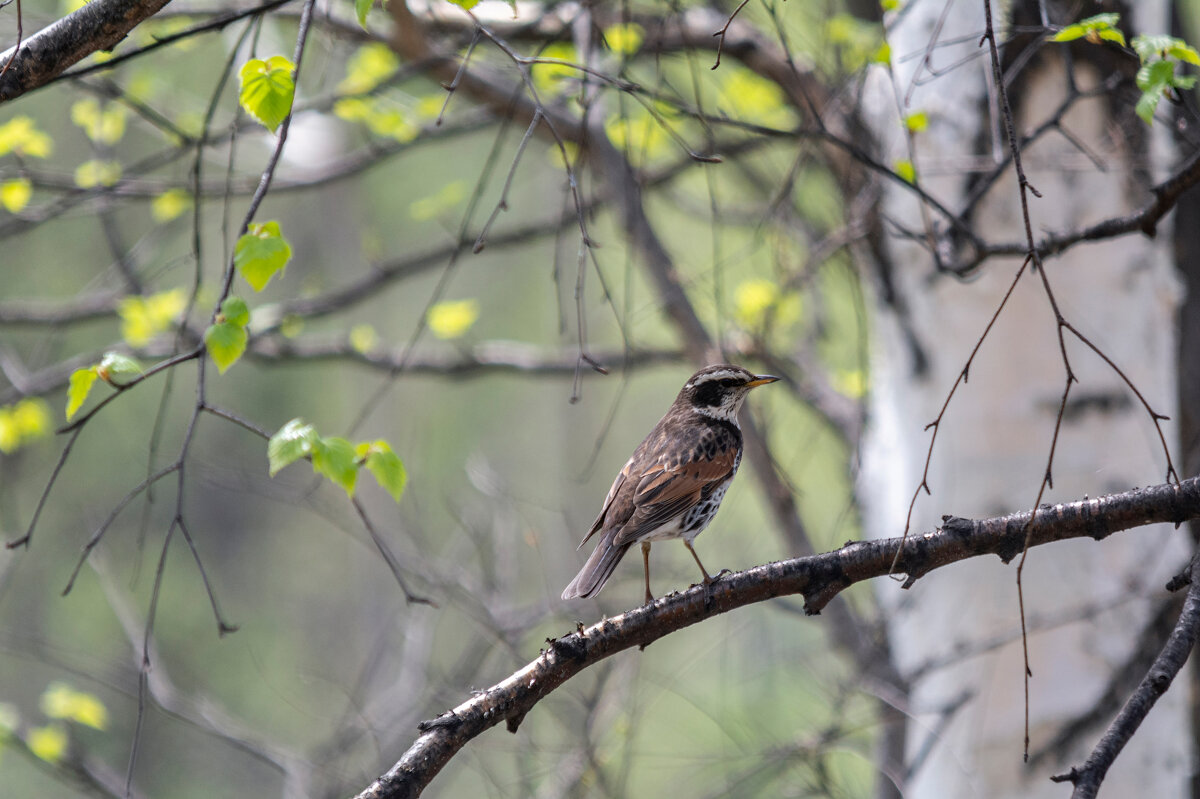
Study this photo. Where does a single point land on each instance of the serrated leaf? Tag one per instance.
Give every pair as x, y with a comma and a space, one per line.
1149, 46
116, 368
361, 7
226, 342
267, 89
260, 253
78, 388
387, 468
1154, 79
235, 311
1094, 28
1184, 52
292, 442
1146, 106
336, 459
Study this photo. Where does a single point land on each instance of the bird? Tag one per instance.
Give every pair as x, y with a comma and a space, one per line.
673, 484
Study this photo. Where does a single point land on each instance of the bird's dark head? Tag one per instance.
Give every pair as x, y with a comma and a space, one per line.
718, 390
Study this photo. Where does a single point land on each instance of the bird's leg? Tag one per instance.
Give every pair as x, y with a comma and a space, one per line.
707, 578
646, 566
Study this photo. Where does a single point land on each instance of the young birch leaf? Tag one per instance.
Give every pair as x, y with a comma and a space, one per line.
117, 369
15, 194
1094, 29
235, 311
260, 253
451, 319
361, 7
294, 441
226, 342
48, 743
78, 388
335, 458
1154, 79
267, 89
385, 465
61, 701
226, 338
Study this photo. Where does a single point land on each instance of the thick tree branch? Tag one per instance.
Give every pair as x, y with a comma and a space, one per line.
99, 25
817, 578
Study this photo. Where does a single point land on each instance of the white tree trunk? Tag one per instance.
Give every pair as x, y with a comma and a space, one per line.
1087, 601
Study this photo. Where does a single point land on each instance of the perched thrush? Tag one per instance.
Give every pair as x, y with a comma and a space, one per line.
676, 479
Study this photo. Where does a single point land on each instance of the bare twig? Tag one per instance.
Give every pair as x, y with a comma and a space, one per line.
1158, 679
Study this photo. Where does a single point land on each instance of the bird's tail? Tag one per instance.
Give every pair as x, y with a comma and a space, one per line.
596, 571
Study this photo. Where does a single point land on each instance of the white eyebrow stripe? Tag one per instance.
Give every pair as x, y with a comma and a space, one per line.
721, 375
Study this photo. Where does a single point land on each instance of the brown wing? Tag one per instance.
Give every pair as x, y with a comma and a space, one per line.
608, 501
666, 490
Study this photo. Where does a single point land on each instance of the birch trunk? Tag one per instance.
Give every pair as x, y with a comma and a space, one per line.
958, 632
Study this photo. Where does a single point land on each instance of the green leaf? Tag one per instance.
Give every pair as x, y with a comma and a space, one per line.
467, 4
385, 465
361, 7
114, 368
905, 169
1154, 79
370, 66
917, 121
1094, 29
170, 204
267, 89
48, 743
451, 319
97, 172
226, 339
336, 459
78, 388
20, 135
260, 253
143, 318
1184, 52
15, 194
1151, 46
235, 311
294, 441
61, 701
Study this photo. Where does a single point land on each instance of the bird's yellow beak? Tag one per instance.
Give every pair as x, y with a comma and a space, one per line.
761, 380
